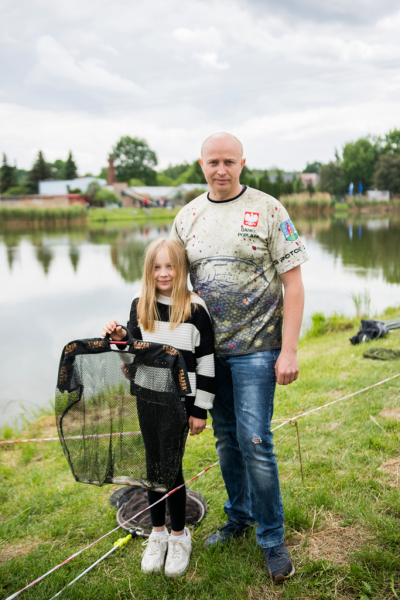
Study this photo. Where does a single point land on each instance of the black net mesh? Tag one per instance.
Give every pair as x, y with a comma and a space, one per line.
120, 414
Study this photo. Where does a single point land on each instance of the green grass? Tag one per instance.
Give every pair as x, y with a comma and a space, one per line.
131, 214
342, 525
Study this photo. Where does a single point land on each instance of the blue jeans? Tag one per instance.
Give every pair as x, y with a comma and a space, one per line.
242, 413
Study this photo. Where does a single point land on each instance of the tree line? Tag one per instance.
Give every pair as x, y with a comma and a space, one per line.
14, 181
372, 161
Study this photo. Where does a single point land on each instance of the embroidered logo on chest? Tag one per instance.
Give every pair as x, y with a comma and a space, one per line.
251, 219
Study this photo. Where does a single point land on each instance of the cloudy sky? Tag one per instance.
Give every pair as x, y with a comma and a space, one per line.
292, 78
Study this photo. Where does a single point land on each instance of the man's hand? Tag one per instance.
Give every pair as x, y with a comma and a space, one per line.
116, 333
286, 368
196, 426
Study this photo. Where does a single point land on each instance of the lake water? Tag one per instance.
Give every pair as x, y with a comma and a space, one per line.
57, 286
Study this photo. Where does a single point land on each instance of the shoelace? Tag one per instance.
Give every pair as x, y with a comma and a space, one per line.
152, 545
176, 548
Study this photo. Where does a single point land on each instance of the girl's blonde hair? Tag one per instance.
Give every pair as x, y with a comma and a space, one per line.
180, 310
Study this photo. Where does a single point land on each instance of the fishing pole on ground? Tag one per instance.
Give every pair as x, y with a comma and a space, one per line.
16, 594
283, 422
118, 544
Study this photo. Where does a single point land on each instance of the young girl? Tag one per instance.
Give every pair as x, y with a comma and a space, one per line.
165, 311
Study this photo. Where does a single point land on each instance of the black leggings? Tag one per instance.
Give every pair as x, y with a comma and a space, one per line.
176, 506
164, 429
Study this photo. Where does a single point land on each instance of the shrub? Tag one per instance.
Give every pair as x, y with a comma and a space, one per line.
192, 194
106, 196
322, 324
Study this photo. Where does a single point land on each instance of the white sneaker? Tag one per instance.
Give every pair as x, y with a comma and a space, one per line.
153, 557
179, 551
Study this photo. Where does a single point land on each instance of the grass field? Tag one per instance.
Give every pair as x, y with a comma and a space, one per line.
342, 524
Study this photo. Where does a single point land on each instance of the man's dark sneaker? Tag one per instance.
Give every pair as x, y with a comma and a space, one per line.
278, 563
227, 532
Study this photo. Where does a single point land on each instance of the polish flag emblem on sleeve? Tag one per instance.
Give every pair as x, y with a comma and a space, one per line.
251, 219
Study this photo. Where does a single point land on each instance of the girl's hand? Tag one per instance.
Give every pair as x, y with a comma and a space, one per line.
117, 333
196, 426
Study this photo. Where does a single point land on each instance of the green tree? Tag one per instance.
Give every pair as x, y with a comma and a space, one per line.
106, 197
163, 179
134, 159
245, 175
266, 186
359, 159
103, 173
137, 183
173, 172
58, 167
387, 173
253, 183
332, 179
92, 189
40, 171
391, 142
287, 187
191, 195
8, 176
310, 188
70, 170
298, 186
313, 167
194, 174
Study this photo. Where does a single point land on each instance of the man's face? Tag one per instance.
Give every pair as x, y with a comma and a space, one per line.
222, 164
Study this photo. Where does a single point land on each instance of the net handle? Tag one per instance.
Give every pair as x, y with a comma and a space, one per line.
129, 341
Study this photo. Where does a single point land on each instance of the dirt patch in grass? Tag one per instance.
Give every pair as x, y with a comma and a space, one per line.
42, 428
390, 413
13, 550
392, 468
331, 542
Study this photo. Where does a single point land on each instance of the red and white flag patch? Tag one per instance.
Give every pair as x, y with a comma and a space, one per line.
251, 219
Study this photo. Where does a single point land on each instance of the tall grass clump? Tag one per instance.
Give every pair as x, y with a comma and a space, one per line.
41, 215
362, 303
320, 324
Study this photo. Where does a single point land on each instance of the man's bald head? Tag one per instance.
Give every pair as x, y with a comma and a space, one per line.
222, 162
222, 139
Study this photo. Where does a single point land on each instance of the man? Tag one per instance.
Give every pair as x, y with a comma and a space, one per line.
242, 246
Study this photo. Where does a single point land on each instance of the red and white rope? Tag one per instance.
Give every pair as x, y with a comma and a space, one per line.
109, 533
285, 421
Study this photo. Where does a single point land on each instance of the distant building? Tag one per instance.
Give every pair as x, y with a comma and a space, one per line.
307, 178
378, 195
286, 177
172, 194
111, 171
60, 188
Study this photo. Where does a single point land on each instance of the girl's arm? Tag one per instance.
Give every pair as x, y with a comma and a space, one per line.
205, 369
133, 325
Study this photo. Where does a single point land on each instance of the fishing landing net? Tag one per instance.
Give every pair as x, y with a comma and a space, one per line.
103, 390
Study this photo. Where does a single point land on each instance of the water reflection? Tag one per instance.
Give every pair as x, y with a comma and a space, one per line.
62, 285
369, 244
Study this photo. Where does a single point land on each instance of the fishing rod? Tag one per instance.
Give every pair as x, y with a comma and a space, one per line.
283, 422
16, 594
118, 544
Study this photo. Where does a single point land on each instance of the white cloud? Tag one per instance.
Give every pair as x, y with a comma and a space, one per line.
209, 37
293, 79
210, 59
56, 66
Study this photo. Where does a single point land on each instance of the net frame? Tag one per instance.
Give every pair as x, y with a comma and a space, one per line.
102, 391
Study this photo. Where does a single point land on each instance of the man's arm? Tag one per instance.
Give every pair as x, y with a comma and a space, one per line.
287, 368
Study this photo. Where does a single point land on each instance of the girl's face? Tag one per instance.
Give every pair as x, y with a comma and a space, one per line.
164, 273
